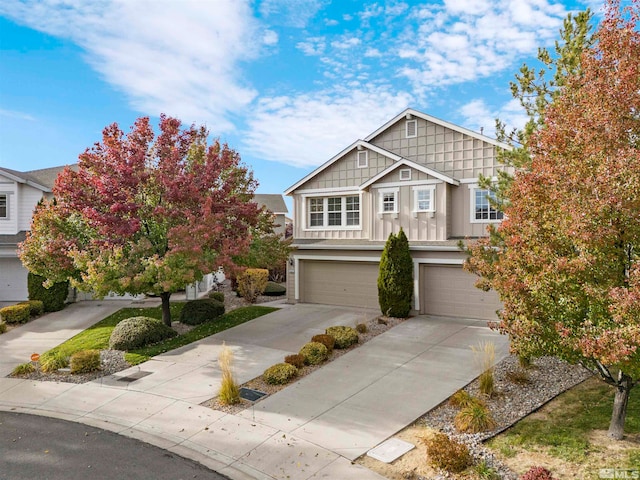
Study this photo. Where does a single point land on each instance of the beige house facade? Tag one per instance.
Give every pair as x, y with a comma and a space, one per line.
418, 173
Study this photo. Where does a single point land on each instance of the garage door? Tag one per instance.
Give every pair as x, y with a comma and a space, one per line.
13, 280
450, 290
352, 284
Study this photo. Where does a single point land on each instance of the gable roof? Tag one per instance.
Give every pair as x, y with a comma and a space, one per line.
272, 201
365, 143
42, 179
408, 163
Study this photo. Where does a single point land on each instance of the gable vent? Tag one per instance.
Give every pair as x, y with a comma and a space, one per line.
412, 128
405, 174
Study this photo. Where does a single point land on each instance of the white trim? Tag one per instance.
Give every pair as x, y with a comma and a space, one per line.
409, 183
18, 179
381, 194
325, 213
410, 164
418, 248
7, 205
472, 207
329, 190
404, 171
432, 198
406, 128
416, 273
476, 180
366, 158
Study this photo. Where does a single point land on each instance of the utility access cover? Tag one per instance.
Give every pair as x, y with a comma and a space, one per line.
250, 394
134, 376
390, 450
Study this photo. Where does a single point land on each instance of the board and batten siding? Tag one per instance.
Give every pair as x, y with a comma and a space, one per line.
445, 150
28, 198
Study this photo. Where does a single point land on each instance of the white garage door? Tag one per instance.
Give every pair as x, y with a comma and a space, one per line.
352, 284
13, 280
450, 290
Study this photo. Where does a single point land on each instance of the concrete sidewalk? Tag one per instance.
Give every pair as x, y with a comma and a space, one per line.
311, 429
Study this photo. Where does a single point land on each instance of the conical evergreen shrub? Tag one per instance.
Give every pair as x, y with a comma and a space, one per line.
395, 280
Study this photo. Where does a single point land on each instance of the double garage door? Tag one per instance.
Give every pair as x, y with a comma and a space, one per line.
13, 280
444, 290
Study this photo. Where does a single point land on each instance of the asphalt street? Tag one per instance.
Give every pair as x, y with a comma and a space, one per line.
35, 447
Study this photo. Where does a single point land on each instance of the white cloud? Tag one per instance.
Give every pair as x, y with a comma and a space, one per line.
16, 114
312, 46
290, 13
180, 58
331, 22
372, 52
308, 129
479, 116
270, 37
346, 43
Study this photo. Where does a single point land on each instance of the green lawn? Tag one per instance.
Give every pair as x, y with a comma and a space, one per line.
97, 336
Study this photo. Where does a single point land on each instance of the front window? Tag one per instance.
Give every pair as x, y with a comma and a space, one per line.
4, 205
483, 209
388, 201
424, 201
334, 211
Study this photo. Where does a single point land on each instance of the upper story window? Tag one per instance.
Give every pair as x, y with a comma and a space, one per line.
411, 128
389, 201
482, 210
336, 212
363, 159
424, 199
4, 205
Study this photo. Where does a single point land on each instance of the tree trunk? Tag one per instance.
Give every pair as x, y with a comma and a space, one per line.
166, 310
620, 401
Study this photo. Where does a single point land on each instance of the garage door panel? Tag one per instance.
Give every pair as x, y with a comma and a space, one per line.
352, 284
450, 290
13, 280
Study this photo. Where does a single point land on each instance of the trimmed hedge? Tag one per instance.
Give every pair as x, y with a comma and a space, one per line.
395, 277
219, 296
295, 359
314, 353
345, 336
53, 298
138, 332
274, 289
36, 307
279, 374
196, 312
85, 361
327, 340
19, 313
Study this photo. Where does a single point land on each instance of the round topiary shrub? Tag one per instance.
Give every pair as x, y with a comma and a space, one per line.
274, 289
448, 454
219, 296
85, 361
345, 336
196, 312
296, 360
53, 298
314, 353
137, 332
279, 374
327, 340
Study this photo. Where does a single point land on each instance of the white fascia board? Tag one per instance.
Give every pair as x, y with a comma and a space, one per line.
410, 164
24, 181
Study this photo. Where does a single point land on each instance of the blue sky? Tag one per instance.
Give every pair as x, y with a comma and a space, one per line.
287, 83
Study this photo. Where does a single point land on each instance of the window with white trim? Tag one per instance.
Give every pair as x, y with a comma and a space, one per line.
334, 212
363, 159
411, 128
483, 211
389, 201
424, 199
4, 206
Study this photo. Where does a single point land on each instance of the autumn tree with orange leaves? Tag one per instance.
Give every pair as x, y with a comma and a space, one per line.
566, 259
145, 214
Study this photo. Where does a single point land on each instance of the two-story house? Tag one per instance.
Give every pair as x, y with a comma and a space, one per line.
20, 192
416, 172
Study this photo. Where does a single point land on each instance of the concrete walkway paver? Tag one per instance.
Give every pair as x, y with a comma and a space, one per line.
311, 429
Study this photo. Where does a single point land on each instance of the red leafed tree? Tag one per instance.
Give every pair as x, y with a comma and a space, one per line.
567, 263
145, 214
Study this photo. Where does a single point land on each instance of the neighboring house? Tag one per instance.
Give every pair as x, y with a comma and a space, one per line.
20, 192
416, 172
275, 204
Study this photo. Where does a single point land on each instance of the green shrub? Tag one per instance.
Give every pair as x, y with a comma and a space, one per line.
279, 374
395, 277
447, 454
53, 297
296, 360
23, 369
196, 312
274, 289
136, 332
362, 328
252, 283
327, 340
345, 336
15, 313
474, 418
314, 353
537, 473
52, 362
219, 296
3, 327
85, 361
36, 307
